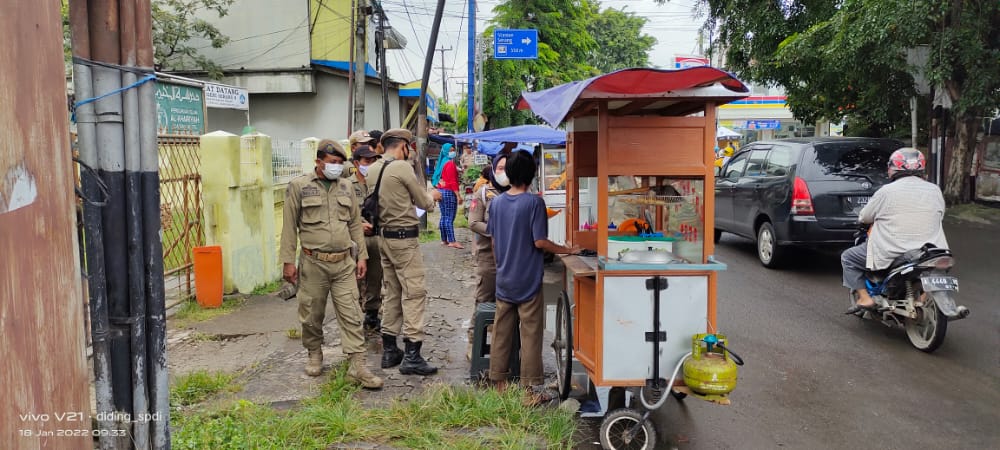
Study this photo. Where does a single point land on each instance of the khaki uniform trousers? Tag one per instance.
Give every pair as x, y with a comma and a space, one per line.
405, 297
486, 270
370, 286
532, 315
319, 279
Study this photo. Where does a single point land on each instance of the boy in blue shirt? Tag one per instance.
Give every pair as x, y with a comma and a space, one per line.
519, 227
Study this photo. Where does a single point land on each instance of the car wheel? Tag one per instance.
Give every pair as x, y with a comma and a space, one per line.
768, 251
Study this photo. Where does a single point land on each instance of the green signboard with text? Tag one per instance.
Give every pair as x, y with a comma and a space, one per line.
180, 109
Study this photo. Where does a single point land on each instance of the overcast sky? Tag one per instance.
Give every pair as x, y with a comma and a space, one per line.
673, 24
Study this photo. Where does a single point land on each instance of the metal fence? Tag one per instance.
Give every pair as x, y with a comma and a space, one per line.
180, 211
286, 160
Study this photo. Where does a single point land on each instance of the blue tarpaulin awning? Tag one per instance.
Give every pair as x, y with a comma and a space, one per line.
535, 134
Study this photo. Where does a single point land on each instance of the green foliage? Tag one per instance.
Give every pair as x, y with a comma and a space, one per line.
575, 41
174, 27
429, 235
198, 386
441, 417
471, 174
620, 42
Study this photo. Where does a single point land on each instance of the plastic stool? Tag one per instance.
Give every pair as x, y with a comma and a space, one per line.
479, 366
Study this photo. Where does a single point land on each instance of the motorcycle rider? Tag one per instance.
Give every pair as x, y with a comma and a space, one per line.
904, 214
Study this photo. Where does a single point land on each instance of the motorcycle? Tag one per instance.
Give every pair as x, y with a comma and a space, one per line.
915, 292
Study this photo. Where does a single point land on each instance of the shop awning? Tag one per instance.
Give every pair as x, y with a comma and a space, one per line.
637, 91
535, 134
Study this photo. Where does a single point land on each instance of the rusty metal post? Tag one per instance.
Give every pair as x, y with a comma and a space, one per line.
136, 318
43, 380
156, 314
89, 181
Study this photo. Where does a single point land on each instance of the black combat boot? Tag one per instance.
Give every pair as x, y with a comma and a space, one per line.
391, 354
413, 363
372, 323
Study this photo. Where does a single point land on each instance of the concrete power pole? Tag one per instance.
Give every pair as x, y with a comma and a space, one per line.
444, 76
360, 64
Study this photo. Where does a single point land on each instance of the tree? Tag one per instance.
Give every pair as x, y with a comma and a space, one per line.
964, 39
576, 41
847, 58
563, 50
175, 24
620, 43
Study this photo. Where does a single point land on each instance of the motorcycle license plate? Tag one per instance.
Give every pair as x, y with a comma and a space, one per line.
939, 283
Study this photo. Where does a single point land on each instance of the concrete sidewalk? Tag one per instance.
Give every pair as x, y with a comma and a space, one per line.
254, 342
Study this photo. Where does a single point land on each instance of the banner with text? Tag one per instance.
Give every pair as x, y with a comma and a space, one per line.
180, 109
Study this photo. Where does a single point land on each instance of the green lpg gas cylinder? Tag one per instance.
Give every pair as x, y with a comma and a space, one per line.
710, 370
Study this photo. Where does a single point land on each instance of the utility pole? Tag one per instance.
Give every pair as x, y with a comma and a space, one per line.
383, 71
360, 63
472, 65
444, 76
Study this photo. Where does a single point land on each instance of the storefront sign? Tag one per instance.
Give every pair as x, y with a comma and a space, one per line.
229, 97
763, 125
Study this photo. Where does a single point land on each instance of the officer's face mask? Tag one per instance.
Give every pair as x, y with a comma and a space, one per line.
333, 171
502, 179
363, 170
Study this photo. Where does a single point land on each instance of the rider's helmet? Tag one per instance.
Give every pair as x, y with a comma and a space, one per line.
905, 162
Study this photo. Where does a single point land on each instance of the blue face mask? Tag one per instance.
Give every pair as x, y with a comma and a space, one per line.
451, 154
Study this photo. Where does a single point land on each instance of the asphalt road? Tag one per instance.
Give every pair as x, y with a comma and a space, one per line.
815, 378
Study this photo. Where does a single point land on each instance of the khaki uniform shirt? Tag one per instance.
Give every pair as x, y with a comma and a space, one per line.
361, 190
479, 216
399, 192
321, 219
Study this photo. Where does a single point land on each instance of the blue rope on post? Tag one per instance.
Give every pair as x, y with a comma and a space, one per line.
138, 83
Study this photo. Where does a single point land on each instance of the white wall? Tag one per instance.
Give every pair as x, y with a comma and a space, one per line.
297, 116
263, 34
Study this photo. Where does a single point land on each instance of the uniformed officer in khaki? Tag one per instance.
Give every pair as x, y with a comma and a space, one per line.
371, 285
402, 264
323, 216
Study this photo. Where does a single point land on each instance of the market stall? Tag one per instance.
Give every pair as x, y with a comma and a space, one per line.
640, 150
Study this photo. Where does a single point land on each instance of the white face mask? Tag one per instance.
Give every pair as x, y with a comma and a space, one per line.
333, 171
363, 170
502, 179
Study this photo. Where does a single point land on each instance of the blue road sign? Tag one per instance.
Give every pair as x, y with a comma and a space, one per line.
515, 44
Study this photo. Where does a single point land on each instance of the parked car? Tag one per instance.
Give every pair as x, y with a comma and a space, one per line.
799, 192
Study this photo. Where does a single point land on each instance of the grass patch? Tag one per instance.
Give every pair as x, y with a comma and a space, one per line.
293, 333
442, 417
198, 386
190, 311
268, 288
204, 337
430, 235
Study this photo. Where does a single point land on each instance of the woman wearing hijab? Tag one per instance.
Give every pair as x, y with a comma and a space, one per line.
445, 179
486, 268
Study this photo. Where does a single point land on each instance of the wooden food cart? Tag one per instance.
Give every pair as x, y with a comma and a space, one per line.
640, 149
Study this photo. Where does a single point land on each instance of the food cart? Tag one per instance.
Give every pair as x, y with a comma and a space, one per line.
640, 150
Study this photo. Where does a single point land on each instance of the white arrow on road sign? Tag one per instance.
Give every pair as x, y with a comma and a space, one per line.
526, 41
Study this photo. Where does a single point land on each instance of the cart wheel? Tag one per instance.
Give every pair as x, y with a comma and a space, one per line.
625, 429
563, 345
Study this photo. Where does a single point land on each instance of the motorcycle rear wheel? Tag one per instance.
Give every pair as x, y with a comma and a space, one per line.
927, 331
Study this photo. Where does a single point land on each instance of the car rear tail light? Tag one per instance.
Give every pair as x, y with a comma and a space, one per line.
802, 203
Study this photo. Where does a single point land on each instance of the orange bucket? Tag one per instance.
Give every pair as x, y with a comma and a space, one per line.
208, 276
